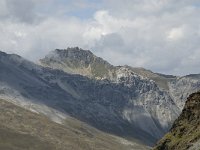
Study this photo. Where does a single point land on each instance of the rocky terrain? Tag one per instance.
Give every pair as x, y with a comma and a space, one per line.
185, 132
132, 103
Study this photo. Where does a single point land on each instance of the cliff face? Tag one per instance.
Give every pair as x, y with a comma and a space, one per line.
185, 132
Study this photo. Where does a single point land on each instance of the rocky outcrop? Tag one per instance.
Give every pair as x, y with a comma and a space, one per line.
185, 132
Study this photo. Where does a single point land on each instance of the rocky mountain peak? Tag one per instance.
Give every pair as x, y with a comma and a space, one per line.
78, 61
72, 54
75, 53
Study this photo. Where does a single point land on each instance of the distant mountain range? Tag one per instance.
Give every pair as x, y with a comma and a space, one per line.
133, 103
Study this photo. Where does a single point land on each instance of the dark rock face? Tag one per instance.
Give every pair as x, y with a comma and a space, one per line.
185, 131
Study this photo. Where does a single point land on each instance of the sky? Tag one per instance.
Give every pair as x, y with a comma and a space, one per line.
160, 35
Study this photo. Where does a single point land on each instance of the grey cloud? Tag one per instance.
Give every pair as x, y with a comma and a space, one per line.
113, 40
160, 35
22, 10
163, 35
18, 10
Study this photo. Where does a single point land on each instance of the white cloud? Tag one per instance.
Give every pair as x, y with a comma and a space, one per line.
175, 33
161, 35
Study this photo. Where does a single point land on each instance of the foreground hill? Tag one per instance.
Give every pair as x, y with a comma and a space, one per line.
185, 132
21, 129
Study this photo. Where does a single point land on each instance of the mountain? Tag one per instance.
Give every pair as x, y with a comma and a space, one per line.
84, 62
179, 88
56, 94
78, 61
185, 132
21, 129
132, 103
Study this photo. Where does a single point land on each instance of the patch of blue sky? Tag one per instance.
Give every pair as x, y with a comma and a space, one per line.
82, 13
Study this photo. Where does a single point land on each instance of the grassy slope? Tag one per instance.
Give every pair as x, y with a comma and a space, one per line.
21, 129
12, 140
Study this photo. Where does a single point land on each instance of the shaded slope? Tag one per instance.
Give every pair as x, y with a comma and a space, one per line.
186, 129
13, 140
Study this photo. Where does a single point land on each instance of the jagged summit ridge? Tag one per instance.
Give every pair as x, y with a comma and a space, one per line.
75, 58
78, 61
73, 53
